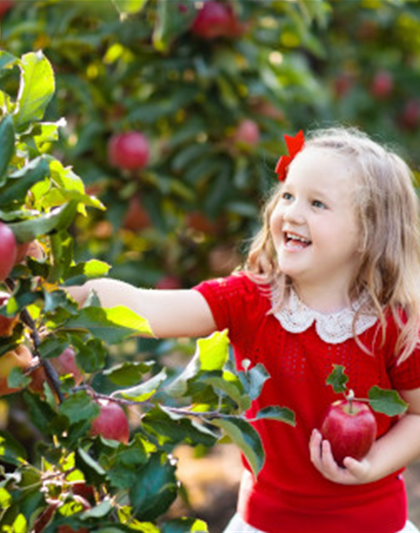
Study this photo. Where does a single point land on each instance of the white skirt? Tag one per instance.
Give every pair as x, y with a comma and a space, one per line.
237, 525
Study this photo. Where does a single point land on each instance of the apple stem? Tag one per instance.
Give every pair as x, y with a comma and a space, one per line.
350, 398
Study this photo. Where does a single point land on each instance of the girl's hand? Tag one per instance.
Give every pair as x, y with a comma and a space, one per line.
354, 473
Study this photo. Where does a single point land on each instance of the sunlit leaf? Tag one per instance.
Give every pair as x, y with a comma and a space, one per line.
36, 88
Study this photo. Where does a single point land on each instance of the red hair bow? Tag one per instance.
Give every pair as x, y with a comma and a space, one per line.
294, 146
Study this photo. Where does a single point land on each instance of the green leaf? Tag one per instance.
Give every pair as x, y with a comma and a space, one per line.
11, 451
386, 401
99, 511
83, 271
16, 188
79, 407
213, 351
155, 488
36, 88
245, 437
337, 379
274, 412
56, 220
144, 391
127, 374
7, 145
42, 415
231, 386
254, 379
112, 325
173, 428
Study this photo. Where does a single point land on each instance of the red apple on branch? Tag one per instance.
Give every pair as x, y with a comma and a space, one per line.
247, 134
129, 150
217, 19
350, 427
111, 422
382, 84
8, 250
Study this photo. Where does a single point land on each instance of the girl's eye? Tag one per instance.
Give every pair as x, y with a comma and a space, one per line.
287, 196
319, 204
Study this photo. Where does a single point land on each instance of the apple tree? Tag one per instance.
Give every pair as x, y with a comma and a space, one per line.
100, 456
208, 88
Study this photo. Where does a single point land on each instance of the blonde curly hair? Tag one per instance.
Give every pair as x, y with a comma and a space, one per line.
388, 211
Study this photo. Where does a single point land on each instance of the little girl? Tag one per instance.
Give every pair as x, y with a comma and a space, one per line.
333, 277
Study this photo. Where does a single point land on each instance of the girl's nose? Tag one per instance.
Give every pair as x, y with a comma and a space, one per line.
294, 212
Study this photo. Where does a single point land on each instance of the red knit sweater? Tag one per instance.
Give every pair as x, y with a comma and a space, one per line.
290, 495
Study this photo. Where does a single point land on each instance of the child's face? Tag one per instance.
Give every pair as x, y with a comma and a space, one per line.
314, 225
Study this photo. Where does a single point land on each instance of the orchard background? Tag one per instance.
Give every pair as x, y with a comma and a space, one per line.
207, 90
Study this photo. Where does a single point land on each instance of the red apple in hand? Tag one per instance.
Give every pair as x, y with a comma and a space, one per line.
111, 422
350, 428
129, 150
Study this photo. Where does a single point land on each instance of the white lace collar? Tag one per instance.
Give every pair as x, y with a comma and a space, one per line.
333, 328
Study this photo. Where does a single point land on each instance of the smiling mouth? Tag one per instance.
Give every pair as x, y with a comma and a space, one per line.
296, 242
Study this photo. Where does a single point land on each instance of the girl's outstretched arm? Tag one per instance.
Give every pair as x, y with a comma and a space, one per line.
394, 450
171, 313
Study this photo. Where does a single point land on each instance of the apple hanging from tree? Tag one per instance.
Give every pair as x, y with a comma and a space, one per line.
382, 84
19, 357
247, 134
350, 427
217, 19
8, 250
111, 422
129, 150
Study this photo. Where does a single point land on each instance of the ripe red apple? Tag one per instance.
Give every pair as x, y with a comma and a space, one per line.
64, 364
111, 422
247, 134
350, 427
7, 324
129, 150
8, 250
20, 357
215, 19
382, 84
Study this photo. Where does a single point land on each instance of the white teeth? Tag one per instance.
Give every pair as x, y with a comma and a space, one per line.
297, 238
